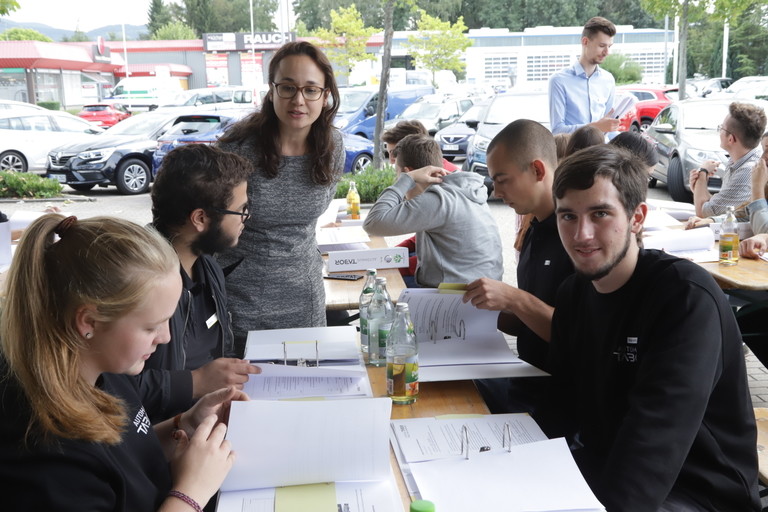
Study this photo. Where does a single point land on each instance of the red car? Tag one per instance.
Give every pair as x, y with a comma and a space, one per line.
651, 100
104, 114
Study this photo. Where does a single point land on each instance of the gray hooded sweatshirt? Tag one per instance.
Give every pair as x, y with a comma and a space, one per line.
457, 240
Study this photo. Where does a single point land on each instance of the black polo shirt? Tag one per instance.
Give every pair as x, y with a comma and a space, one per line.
202, 325
542, 267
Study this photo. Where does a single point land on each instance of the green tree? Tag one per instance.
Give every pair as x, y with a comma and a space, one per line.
157, 16
235, 15
24, 34
174, 30
346, 40
439, 44
6, 6
78, 36
199, 16
624, 70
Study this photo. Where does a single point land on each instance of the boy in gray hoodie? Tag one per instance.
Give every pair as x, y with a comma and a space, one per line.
457, 240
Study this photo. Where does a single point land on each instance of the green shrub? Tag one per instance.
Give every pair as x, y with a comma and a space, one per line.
370, 183
50, 105
27, 185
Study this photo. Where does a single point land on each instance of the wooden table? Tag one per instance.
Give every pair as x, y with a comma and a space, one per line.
747, 274
341, 295
435, 399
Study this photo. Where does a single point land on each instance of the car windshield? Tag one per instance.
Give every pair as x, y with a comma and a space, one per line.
421, 111
474, 113
505, 109
350, 101
699, 116
95, 108
142, 124
196, 125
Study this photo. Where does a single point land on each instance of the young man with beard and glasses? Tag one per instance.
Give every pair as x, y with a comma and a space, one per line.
646, 357
583, 93
200, 204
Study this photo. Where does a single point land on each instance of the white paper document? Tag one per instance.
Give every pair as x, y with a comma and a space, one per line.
422, 439
279, 382
331, 345
287, 445
346, 238
457, 340
533, 477
694, 244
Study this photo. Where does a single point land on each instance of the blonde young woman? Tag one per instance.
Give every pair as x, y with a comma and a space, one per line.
276, 269
82, 313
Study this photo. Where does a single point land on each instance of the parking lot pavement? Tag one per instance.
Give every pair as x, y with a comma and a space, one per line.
138, 209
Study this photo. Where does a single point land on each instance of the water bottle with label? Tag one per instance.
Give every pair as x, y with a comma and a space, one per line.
729, 238
365, 300
353, 201
380, 316
402, 358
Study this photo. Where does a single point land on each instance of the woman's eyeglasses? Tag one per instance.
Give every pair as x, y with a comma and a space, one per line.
288, 91
244, 215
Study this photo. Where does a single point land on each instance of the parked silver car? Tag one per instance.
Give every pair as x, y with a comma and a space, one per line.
685, 135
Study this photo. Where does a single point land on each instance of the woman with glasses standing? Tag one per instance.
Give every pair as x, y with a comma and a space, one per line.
299, 157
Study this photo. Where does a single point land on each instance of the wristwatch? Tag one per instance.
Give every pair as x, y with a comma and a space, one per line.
702, 169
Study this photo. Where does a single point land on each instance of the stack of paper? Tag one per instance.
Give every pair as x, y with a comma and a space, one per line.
339, 447
529, 473
280, 382
458, 341
694, 244
348, 238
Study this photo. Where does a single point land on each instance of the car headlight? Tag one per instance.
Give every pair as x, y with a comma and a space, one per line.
341, 123
96, 155
700, 155
480, 143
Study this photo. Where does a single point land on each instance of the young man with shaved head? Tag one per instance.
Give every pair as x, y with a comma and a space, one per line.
521, 161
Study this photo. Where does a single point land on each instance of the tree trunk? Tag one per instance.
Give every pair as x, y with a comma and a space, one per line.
682, 68
381, 105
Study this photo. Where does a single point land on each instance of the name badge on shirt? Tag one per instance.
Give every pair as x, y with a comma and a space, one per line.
212, 321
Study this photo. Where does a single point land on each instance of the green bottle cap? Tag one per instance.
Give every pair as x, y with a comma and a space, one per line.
422, 506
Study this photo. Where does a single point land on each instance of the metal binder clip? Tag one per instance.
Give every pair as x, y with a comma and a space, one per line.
300, 361
507, 437
465, 442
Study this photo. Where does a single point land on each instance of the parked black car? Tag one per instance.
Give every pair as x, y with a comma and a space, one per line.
121, 156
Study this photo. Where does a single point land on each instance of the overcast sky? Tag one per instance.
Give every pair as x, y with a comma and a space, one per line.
82, 14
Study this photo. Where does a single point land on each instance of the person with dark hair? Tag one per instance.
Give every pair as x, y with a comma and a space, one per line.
277, 281
740, 135
584, 92
457, 239
638, 145
200, 204
646, 357
522, 159
583, 137
73, 433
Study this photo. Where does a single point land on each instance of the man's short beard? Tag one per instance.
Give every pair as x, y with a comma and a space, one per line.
212, 240
606, 269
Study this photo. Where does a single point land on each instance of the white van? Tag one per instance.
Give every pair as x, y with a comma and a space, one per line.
141, 93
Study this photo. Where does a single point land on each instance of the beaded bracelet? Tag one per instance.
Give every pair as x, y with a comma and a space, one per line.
186, 499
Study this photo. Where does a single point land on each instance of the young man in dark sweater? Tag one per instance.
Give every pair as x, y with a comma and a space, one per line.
200, 204
646, 357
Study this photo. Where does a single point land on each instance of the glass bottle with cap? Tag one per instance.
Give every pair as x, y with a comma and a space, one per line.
402, 358
729, 238
365, 300
380, 316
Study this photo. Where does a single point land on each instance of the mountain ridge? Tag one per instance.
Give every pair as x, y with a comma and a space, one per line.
132, 32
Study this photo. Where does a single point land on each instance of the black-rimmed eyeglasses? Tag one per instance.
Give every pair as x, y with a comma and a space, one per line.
288, 91
244, 214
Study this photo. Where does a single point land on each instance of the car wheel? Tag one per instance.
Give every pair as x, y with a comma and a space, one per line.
676, 182
12, 161
132, 177
645, 123
82, 187
634, 128
652, 182
361, 162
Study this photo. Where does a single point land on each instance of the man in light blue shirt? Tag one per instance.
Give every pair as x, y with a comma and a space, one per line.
583, 93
